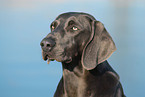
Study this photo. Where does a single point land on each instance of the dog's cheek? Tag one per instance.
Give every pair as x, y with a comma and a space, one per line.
81, 38
71, 51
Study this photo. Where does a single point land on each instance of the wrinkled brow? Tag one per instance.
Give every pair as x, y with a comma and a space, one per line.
72, 21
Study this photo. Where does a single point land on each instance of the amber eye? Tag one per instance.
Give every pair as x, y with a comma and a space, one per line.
52, 27
74, 28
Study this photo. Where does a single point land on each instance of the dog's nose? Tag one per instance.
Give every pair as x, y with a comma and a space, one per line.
47, 44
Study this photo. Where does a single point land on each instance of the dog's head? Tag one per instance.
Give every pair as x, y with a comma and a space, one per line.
76, 33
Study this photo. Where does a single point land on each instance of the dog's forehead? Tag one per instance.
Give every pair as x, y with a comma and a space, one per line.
78, 15
67, 15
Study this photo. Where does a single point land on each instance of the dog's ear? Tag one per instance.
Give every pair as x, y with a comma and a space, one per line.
99, 47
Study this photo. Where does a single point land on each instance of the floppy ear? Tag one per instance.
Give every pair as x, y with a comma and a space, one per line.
99, 47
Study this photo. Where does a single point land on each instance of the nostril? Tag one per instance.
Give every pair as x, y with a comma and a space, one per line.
42, 44
48, 45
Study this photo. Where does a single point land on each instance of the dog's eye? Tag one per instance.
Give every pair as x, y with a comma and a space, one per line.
74, 28
52, 27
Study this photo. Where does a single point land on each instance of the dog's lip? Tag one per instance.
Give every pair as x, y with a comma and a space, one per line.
46, 56
48, 59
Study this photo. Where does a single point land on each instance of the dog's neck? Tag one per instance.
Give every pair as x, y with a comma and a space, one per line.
77, 79
74, 66
77, 69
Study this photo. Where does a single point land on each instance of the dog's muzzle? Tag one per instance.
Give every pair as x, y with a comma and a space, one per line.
47, 45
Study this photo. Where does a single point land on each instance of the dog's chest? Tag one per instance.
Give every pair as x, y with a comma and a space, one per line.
75, 86
89, 86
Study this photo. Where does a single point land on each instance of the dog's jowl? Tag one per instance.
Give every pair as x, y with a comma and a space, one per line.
82, 45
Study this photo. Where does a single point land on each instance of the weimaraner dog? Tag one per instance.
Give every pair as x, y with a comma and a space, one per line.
83, 46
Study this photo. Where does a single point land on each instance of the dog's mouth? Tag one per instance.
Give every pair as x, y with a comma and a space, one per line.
48, 57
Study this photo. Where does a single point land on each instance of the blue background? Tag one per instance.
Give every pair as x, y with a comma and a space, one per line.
24, 23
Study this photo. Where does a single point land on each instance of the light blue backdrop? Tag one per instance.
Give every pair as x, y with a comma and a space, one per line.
23, 23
